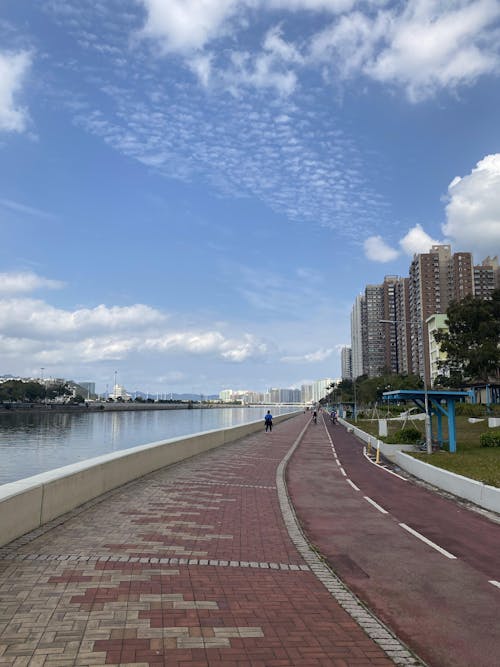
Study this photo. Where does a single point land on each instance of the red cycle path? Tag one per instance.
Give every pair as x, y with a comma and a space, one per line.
445, 609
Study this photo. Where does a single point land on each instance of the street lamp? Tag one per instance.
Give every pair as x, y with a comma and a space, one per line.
355, 407
428, 429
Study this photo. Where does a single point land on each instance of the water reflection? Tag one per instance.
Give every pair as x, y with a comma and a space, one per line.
33, 442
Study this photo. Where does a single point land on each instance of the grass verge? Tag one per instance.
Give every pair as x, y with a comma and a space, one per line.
470, 460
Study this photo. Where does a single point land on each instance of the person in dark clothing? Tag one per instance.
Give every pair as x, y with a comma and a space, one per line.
268, 421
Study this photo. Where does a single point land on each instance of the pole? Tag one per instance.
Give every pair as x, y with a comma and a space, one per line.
428, 428
355, 407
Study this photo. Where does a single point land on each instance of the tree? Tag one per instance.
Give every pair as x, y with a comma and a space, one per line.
472, 341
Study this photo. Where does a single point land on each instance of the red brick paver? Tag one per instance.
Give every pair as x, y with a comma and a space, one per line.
192, 566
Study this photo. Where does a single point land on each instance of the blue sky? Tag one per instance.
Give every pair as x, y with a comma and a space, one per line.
193, 192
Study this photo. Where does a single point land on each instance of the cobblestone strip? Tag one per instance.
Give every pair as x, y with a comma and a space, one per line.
373, 627
217, 562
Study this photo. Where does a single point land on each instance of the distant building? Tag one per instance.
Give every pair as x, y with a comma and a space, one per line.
374, 357
357, 337
119, 391
226, 395
320, 389
436, 278
434, 324
486, 277
346, 362
306, 393
89, 388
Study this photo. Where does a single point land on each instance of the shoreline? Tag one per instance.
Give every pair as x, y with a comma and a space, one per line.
51, 408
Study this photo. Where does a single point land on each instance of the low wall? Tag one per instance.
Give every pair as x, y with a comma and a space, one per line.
31, 502
476, 492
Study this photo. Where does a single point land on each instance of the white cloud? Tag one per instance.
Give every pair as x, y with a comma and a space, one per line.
22, 282
417, 241
377, 250
438, 45
421, 46
56, 336
349, 44
201, 65
25, 210
269, 68
13, 70
38, 320
311, 357
473, 209
332, 6
184, 26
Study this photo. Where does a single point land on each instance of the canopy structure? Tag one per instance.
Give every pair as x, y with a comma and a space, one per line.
440, 403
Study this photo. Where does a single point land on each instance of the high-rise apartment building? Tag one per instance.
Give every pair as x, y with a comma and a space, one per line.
396, 333
486, 277
435, 323
306, 393
401, 342
357, 337
436, 279
373, 331
346, 362
320, 389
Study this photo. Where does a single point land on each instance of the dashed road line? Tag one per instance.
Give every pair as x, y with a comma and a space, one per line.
376, 505
381, 467
428, 542
349, 481
495, 583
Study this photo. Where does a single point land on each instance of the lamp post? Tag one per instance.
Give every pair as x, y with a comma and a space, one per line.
355, 407
428, 430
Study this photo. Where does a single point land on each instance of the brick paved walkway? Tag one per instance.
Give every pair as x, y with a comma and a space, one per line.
193, 565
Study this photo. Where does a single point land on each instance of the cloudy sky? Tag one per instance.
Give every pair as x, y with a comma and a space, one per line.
193, 192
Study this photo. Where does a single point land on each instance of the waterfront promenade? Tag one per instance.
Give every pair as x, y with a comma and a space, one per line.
198, 564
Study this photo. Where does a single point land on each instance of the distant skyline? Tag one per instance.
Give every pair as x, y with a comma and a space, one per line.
193, 192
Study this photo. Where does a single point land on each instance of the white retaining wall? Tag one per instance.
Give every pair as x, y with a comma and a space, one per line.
31, 502
480, 494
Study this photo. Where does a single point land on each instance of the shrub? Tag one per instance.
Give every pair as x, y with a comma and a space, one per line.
470, 409
490, 439
405, 436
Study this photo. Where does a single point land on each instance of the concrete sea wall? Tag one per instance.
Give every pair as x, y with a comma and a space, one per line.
31, 502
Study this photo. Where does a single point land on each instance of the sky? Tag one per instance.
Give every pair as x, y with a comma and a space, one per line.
193, 192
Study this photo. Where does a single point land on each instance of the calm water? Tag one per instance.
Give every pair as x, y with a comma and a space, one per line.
34, 443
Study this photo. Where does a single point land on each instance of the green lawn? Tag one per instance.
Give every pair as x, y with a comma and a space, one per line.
470, 460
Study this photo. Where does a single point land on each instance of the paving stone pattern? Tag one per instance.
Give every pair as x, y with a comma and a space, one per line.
198, 564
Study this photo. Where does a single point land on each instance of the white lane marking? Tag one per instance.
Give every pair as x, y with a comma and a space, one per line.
495, 583
376, 505
338, 462
424, 539
343, 472
349, 481
391, 472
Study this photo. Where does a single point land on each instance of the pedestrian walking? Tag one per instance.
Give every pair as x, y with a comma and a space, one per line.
268, 421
